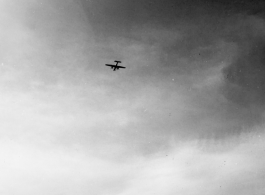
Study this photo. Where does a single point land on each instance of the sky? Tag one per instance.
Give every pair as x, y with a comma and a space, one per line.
186, 116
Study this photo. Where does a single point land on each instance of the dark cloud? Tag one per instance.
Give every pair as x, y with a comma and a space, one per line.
118, 15
244, 77
185, 40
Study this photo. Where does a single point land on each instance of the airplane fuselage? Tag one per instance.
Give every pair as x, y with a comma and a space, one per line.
116, 66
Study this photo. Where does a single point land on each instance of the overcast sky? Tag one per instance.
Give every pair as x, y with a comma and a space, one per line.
186, 116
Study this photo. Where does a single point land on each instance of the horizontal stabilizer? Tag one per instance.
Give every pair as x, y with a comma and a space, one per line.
117, 61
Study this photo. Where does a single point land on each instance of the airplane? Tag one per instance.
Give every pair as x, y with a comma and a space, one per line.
114, 67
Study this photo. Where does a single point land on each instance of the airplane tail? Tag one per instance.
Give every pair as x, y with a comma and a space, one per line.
117, 61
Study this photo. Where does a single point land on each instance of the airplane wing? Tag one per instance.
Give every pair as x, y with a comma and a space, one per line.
121, 67
110, 65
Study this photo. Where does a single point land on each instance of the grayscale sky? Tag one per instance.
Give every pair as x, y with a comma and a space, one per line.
186, 116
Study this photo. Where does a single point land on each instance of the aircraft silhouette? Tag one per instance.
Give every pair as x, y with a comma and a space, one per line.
114, 67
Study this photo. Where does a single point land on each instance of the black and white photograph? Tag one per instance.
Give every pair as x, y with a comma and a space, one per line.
132, 97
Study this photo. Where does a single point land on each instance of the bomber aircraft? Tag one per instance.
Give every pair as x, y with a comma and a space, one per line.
114, 67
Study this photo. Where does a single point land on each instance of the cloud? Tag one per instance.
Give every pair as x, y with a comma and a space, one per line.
28, 169
169, 123
244, 81
187, 168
